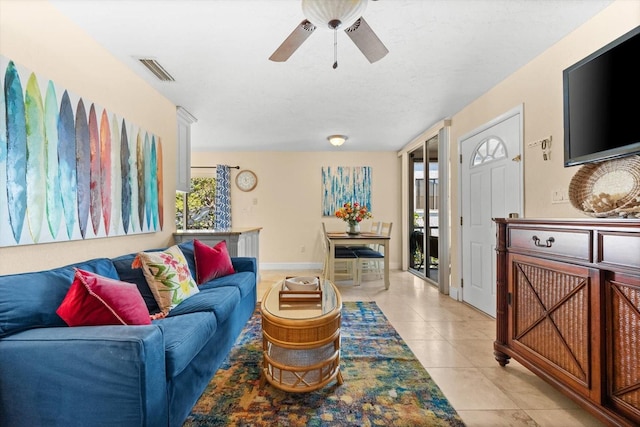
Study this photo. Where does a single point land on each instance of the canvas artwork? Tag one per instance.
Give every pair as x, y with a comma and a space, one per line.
69, 168
342, 184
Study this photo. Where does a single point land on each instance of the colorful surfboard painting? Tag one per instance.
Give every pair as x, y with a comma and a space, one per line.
133, 179
83, 167
141, 179
3, 162
54, 201
125, 172
147, 180
67, 163
36, 146
68, 172
16, 151
116, 176
105, 170
153, 184
95, 198
160, 184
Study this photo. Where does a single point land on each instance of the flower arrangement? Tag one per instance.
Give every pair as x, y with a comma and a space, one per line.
353, 213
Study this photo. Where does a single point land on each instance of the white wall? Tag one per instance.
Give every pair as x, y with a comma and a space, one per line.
35, 35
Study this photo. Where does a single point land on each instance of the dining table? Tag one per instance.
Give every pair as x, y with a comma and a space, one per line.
364, 238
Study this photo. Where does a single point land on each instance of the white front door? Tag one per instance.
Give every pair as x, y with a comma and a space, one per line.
491, 177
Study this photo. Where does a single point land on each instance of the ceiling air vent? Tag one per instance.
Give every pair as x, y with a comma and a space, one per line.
157, 69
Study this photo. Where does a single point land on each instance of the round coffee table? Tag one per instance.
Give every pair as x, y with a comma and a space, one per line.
301, 339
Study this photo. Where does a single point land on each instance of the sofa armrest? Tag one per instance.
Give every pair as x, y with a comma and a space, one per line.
83, 375
244, 264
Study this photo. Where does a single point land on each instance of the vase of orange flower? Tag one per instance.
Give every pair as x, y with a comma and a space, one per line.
353, 214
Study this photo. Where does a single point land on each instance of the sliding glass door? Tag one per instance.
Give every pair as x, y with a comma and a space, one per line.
424, 206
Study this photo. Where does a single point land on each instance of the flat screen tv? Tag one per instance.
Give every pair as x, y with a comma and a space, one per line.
602, 103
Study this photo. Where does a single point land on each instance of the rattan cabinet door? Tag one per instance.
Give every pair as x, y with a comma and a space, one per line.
623, 346
552, 320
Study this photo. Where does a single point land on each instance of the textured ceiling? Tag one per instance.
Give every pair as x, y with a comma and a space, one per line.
443, 55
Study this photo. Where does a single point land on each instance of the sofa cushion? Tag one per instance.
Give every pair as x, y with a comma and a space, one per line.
245, 281
97, 300
211, 262
184, 337
187, 250
168, 276
129, 274
30, 300
222, 301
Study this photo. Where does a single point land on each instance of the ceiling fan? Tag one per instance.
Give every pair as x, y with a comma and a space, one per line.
334, 14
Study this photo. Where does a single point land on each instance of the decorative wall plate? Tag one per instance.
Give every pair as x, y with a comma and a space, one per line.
607, 189
246, 180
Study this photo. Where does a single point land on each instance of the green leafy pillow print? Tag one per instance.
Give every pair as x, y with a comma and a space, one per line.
168, 276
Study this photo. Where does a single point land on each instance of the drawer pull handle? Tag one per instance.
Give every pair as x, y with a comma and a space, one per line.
547, 244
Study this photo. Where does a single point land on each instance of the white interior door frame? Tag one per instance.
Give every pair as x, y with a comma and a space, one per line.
445, 210
518, 110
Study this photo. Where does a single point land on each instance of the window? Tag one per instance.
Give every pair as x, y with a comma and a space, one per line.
489, 150
199, 205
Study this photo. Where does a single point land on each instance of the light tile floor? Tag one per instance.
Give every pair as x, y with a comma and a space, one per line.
454, 342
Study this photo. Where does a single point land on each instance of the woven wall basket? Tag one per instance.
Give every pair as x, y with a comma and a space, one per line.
608, 189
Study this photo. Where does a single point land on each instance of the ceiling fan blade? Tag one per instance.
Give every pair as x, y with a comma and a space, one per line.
293, 42
366, 40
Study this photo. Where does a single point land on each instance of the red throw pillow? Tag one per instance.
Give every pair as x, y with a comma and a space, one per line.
96, 300
211, 262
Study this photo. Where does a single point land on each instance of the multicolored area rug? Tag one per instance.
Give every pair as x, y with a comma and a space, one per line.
384, 384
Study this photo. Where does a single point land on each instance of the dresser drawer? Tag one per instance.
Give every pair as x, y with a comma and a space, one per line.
619, 249
572, 244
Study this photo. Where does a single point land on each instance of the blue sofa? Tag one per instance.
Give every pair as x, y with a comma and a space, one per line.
150, 375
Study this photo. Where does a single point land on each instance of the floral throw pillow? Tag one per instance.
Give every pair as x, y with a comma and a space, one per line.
168, 276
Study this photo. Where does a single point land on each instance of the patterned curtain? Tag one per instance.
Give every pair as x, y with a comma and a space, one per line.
223, 198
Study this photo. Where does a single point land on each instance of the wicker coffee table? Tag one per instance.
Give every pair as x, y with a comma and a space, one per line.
301, 340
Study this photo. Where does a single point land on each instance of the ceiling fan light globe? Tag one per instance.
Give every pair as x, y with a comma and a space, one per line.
323, 12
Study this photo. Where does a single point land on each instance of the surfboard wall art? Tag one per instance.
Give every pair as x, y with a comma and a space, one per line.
105, 170
70, 169
54, 201
16, 168
36, 167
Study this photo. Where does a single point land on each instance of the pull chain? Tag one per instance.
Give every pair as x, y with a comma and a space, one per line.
335, 48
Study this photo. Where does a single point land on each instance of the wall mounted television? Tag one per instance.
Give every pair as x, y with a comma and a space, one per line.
602, 103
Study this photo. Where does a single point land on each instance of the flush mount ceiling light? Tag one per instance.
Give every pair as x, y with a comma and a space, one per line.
337, 140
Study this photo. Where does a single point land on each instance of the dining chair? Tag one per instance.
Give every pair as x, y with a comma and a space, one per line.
343, 255
376, 227
369, 259
324, 233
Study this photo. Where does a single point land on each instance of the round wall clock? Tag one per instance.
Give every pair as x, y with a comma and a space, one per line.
246, 180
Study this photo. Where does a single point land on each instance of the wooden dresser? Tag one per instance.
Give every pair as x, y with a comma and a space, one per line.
568, 308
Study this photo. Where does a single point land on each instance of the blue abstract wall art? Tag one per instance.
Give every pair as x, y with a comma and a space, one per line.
342, 184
